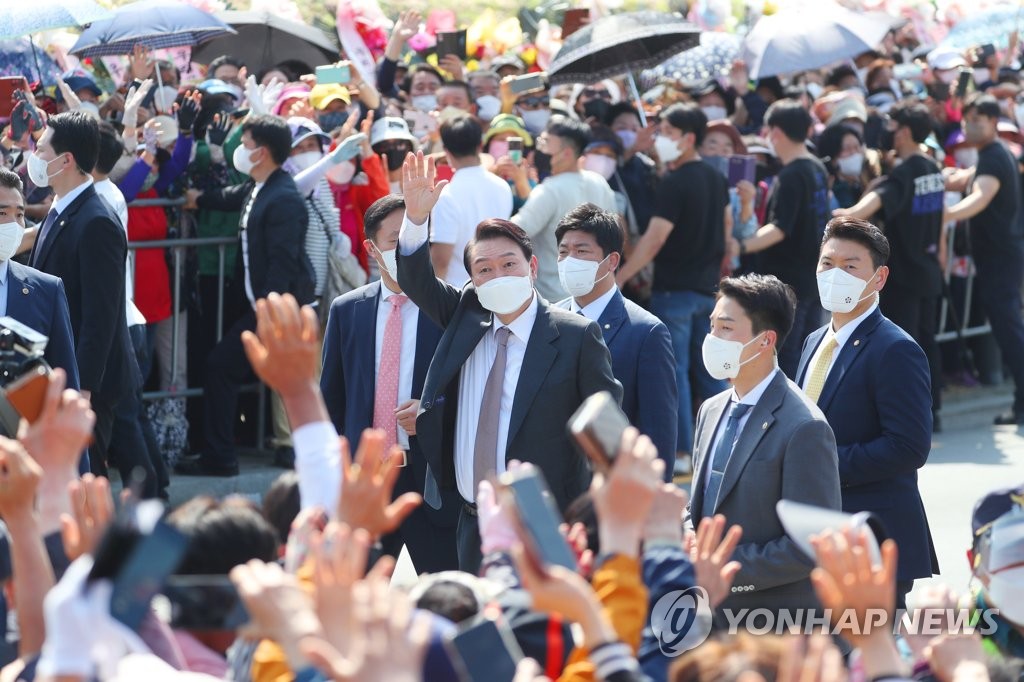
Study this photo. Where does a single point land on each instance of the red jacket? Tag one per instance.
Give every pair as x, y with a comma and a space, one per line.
353, 200
152, 280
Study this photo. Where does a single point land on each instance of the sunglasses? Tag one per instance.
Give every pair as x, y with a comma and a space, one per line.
590, 92
534, 102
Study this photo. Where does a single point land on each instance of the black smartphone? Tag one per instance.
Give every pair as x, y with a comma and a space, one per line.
963, 82
597, 428
539, 518
204, 602
983, 54
574, 20
485, 650
453, 42
515, 150
527, 83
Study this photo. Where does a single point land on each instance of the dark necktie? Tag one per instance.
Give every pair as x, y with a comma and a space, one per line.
44, 233
485, 450
720, 460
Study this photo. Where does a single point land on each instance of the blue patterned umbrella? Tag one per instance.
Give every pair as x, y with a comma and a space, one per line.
988, 26
155, 24
16, 59
713, 58
21, 17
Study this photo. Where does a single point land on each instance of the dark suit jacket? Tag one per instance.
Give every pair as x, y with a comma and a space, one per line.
276, 233
565, 362
38, 300
877, 398
644, 363
786, 451
86, 248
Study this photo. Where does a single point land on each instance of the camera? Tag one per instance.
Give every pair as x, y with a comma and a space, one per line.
21, 349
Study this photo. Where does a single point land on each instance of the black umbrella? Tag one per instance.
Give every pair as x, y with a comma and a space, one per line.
264, 40
621, 43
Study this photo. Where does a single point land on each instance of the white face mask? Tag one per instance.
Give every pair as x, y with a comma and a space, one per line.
1005, 592
536, 121
715, 113
91, 109
503, 295
579, 277
425, 103
389, 261
668, 150
628, 138
947, 76
10, 239
840, 292
242, 159
982, 76
39, 170
966, 157
851, 165
164, 98
722, 357
602, 165
487, 107
301, 162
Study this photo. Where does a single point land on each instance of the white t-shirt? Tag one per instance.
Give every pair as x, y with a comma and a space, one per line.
472, 196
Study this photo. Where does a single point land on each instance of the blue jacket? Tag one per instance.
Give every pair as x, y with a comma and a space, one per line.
38, 300
877, 399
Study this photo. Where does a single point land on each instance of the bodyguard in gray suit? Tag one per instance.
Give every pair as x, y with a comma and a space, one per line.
759, 442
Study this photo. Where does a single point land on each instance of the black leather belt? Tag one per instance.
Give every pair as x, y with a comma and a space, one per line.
469, 508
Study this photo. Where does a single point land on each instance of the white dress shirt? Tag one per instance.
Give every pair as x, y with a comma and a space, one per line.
245, 243
595, 308
5, 270
318, 466
842, 336
410, 320
61, 203
473, 378
751, 399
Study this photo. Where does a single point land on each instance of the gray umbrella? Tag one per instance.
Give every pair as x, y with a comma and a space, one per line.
621, 43
265, 39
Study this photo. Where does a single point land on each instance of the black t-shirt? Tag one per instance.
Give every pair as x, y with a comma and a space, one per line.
996, 227
798, 205
693, 198
912, 201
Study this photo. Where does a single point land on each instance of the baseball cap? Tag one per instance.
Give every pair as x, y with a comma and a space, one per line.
303, 128
322, 95
851, 107
215, 86
293, 91
994, 505
78, 79
943, 58
507, 60
390, 128
508, 123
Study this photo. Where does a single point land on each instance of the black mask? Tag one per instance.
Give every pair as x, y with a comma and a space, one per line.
395, 157
885, 140
542, 162
597, 109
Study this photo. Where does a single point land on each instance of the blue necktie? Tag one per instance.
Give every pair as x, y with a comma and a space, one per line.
721, 458
44, 232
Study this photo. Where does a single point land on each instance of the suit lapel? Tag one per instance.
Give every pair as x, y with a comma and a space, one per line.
540, 355
815, 341
705, 438
63, 218
758, 423
847, 356
465, 337
613, 318
17, 294
365, 319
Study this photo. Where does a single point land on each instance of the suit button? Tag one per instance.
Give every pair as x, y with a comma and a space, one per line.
425, 405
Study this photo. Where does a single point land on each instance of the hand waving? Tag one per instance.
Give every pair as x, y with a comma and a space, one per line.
218, 131
130, 118
420, 186
283, 350
368, 484
188, 110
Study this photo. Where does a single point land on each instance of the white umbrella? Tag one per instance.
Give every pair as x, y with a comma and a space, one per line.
808, 36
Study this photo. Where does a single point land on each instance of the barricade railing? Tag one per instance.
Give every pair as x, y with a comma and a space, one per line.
950, 333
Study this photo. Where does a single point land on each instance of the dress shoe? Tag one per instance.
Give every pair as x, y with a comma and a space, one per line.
1009, 418
201, 467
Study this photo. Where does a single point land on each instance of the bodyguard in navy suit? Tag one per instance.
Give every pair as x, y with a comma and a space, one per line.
354, 345
871, 380
589, 253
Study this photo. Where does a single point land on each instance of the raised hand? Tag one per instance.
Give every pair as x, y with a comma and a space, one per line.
283, 351
188, 110
19, 481
365, 150
368, 483
420, 187
349, 148
811, 659
217, 132
714, 571
70, 98
406, 27
92, 509
136, 95
63, 429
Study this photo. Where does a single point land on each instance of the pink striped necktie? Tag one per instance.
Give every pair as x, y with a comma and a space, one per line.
386, 399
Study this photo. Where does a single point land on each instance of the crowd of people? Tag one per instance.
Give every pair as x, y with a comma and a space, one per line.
441, 265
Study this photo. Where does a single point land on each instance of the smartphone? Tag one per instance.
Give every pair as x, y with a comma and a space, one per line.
527, 83
741, 167
204, 602
485, 650
453, 42
26, 393
574, 20
515, 150
333, 74
8, 86
963, 82
597, 428
983, 54
539, 518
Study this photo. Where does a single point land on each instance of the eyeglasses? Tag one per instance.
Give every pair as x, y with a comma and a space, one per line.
591, 93
533, 102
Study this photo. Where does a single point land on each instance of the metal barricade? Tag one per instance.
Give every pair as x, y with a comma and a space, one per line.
178, 248
965, 331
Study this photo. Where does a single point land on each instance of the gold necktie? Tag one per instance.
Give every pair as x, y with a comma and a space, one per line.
820, 369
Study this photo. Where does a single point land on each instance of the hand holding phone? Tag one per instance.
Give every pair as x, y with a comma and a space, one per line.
334, 74
515, 150
538, 517
597, 427
485, 650
527, 83
451, 43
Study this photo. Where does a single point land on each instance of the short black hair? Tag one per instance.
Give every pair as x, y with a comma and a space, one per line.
449, 599
862, 232
462, 136
985, 104
462, 85
111, 148
222, 535
830, 142
618, 109
407, 81
10, 180
789, 116
768, 302
77, 133
281, 504
839, 74
224, 59
575, 133
912, 115
687, 117
378, 211
272, 132
496, 228
594, 220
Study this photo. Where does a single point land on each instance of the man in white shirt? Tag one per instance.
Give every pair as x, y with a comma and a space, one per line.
561, 145
759, 442
472, 196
